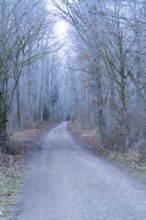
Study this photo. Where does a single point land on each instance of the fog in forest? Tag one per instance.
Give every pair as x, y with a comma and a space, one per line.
82, 61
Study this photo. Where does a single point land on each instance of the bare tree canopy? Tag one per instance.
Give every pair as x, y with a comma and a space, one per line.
93, 74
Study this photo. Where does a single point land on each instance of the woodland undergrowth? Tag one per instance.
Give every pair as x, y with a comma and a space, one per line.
132, 160
13, 163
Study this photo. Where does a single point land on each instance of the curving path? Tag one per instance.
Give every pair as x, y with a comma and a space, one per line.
66, 182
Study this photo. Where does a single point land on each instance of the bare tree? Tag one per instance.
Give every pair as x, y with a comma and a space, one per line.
113, 54
19, 37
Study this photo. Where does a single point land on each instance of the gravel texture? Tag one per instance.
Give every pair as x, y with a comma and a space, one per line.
66, 182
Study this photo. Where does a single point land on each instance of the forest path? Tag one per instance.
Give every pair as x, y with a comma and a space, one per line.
66, 182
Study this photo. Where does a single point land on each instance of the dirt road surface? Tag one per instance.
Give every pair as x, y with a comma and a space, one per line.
66, 182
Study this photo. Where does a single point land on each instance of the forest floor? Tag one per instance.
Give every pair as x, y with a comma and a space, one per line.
65, 181
132, 160
19, 148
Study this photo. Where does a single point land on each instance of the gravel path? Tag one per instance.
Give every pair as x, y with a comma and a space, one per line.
66, 182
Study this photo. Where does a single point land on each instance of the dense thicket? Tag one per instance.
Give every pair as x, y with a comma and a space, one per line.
107, 67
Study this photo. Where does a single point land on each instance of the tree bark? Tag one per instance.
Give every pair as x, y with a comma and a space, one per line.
18, 107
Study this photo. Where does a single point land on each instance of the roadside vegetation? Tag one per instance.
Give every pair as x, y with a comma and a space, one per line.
106, 77
11, 174
132, 160
91, 70
13, 165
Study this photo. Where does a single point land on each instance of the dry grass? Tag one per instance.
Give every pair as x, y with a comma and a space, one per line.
11, 172
133, 160
31, 133
12, 165
88, 136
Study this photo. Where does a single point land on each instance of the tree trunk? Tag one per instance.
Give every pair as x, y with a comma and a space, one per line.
18, 107
3, 127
